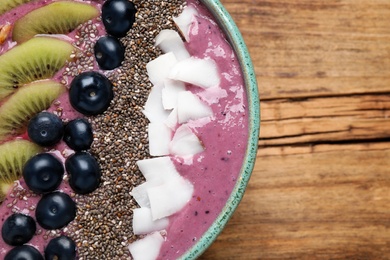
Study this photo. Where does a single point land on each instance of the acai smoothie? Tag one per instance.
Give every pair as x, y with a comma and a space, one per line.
154, 119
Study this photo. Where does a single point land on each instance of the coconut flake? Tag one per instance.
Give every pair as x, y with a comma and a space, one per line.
190, 107
144, 224
147, 248
199, 72
159, 168
159, 138
170, 197
154, 110
140, 195
159, 68
185, 19
170, 93
170, 41
171, 121
185, 142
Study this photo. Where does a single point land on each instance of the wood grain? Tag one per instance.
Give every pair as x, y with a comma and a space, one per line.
320, 188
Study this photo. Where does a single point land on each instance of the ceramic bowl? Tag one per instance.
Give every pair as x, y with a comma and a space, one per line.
226, 23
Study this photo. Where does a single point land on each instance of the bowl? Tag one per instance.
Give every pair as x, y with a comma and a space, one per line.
233, 35
242, 167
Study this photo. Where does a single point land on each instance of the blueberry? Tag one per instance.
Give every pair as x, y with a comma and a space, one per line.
78, 134
45, 129
43, 173
18, 229
62, 248
90, 93
118, 17
109, 52
55, 210
84, 172
24, 252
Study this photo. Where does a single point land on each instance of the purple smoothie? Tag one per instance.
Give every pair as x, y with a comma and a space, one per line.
213, 172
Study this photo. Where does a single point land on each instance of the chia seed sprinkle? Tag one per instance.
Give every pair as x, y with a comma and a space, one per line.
102, 228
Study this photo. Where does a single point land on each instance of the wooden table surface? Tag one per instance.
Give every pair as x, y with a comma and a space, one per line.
320, 188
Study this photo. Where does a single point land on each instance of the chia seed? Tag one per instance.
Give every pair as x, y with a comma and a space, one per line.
102, 228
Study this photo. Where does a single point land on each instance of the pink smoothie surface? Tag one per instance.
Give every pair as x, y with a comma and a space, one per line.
213, 172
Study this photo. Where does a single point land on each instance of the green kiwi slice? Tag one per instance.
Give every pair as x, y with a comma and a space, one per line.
7, 5
57, 18
13, 156
38, 58
25, 103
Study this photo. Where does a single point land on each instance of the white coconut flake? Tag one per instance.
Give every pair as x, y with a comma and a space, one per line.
199, 72
171, 121
159, 168
185, 142
170, 93
170, 197
170, 41
154, 110
159, 139
147, 248
144, 224
185, 19
190, 107
159, 68
140, 195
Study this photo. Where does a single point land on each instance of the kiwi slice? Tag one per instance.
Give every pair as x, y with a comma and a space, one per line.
24, 104
13, 156
7, 5
56, 18
38, 58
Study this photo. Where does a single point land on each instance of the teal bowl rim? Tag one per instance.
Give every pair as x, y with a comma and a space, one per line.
235, 38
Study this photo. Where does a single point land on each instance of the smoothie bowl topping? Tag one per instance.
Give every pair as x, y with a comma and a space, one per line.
123, 128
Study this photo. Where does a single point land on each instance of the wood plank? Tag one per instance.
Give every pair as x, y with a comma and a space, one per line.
311, 48
301, 206
332, 119
360, 106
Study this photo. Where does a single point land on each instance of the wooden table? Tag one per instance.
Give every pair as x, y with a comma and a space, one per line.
321, 185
